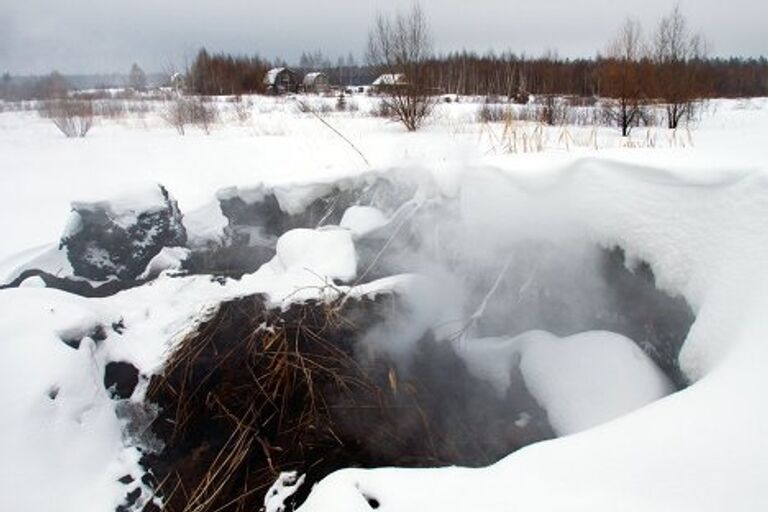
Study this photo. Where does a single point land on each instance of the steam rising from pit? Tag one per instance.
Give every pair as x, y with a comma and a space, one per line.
471, 357
497, 260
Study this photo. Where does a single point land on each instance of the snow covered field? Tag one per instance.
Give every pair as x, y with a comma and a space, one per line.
280, 145
695, 209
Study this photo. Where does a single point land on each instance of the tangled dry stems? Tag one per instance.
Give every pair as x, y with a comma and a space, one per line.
255, 392
281, 363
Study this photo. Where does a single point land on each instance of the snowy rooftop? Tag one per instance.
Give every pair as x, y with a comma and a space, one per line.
390, 79
309, 78
271, 77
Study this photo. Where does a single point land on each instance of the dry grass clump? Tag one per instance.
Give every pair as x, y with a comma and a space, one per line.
255, 392
74, 118
184, 111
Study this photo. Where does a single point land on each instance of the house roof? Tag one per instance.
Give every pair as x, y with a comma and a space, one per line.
271, 77
390, 79
309, 78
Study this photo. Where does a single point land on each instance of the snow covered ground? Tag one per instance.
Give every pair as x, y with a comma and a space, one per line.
697, 213
38, 166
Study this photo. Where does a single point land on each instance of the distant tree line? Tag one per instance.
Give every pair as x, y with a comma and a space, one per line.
465, 73
221, 73
509, 75
468, 73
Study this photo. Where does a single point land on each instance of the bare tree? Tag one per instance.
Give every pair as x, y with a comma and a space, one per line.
621, 78
137, 79
398, 48
5, 85
176, 114
52, 86
676, 53
203, 113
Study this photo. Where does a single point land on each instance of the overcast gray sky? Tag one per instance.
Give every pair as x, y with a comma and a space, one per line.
87, 36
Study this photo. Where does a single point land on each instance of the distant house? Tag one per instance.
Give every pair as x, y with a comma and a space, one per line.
280, 81
177, 82
316, 82
388, 80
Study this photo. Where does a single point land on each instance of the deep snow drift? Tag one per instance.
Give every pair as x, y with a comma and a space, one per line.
532, 224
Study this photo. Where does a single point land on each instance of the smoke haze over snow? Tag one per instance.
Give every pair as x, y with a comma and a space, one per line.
81, 36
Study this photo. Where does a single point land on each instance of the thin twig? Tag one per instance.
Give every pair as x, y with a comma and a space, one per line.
309, 109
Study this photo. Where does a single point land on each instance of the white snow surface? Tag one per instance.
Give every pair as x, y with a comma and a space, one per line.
698, 215
323, 253
287, 483
58, 431
123, 208
49, 258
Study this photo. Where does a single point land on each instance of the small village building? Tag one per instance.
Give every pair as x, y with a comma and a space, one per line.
317, 83
281, 81
388, 81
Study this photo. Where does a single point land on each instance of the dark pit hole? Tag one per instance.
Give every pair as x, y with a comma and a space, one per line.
97, 333
120, 379
372, 502
432, 413
119, 326
125, 479
75, 285
72, 341
53, 392
130, 500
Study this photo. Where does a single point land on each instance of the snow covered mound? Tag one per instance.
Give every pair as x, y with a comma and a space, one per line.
117, 238
588, 379
581, 381
361, 220
327, 253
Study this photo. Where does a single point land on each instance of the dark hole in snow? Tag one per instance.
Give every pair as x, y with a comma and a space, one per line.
372, 502
228, 260
72, 341
131, 498
73, 338
98, 333
658, 322
254, 225
296, 390
119, 326
78, 286
120, 378
125, 479
53, 392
